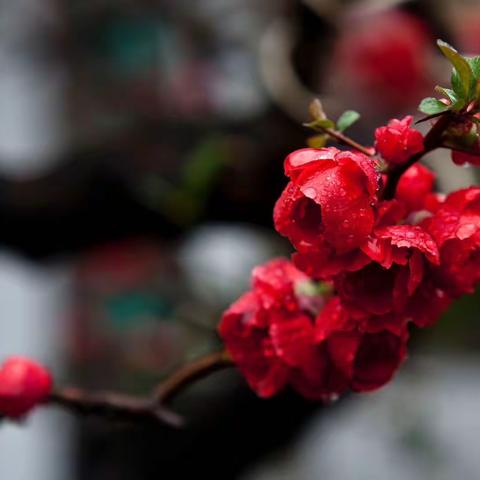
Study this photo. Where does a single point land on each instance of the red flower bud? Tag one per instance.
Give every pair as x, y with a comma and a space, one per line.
23, 385
397, 142
415, 188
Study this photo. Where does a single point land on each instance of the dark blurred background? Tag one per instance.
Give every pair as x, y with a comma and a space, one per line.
141, 149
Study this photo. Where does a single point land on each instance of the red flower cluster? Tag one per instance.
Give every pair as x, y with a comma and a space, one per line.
23, 385
280, 335
397, 141
387, 264
456, 230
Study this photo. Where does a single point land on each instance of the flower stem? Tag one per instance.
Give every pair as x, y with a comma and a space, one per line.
116, 406
191, 372
344, 140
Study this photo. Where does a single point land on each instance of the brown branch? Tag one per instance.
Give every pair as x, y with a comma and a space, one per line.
129, 408
432, 140
114, 406
318, 115
191, 372
344, 140
349, 142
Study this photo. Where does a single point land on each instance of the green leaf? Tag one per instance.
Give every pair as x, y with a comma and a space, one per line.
456, 103
474, 63
432, 106
320, 123
347, 119
317, 141
457, 86
462, 77
447, 92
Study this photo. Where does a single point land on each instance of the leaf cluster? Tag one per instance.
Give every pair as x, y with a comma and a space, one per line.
465, 84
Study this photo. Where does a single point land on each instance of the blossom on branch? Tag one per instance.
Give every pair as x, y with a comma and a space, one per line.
24, 384
277, 342
327, 208
397, 141
415, 189
456, 229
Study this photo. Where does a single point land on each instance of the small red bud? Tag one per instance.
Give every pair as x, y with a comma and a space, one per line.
23, 385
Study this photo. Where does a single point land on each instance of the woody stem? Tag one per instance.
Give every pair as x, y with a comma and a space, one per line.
344, 140
116, 406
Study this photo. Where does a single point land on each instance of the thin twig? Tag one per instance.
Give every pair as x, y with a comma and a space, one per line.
343, 139
114, 406
191, 372
121, 407
318, 116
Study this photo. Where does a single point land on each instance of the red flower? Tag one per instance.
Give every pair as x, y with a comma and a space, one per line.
415, 189
397, 142
400, 255
327, 209
266, 332
23, 385
275, 341
367, 360
456, 229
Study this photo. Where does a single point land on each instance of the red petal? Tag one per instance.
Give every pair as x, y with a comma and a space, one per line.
276, 280
378, 358
292, 339
411, 236
299, 219
414, 187
343, 349
332, 318
299, 160
325, 264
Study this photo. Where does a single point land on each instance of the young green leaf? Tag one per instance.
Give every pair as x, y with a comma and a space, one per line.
347, 119
320, 123
447, 92
317, 141
462, 78
474, 63
455, 102
432, 106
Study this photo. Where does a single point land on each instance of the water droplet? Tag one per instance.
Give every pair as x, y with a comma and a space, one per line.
310, 193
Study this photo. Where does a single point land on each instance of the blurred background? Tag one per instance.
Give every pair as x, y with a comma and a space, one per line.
141, 149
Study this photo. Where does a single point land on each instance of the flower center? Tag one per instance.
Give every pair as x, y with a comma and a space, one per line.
308, 216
